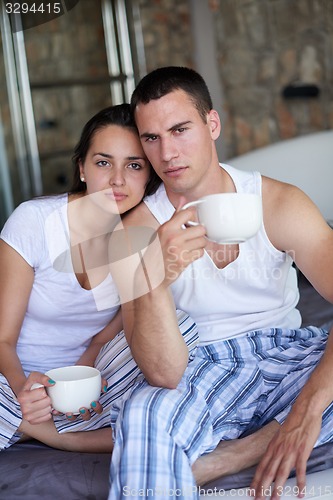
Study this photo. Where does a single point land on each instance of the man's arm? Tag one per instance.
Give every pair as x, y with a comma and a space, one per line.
149, 314
293, 443
295, 225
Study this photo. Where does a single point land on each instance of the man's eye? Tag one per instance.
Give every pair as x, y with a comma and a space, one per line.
180, 130
151, 138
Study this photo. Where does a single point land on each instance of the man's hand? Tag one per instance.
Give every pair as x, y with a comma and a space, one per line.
290, 448
159, 258
180, 246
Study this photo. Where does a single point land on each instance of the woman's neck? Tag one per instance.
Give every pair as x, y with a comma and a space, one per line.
87, 221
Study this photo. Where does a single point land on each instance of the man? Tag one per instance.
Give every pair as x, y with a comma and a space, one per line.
256, 374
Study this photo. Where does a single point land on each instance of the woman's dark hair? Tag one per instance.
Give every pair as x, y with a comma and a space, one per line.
162, 81
113, 115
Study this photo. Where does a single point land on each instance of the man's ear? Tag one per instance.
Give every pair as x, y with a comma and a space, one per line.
214, 124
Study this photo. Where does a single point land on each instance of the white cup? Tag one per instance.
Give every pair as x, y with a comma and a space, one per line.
75, 387
229, 218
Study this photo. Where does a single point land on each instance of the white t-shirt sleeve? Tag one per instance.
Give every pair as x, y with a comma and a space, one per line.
24, 232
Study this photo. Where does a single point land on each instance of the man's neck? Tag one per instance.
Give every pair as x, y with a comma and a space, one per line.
219, 182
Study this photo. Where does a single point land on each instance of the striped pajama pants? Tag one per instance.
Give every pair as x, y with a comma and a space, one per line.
230, 388
116, 365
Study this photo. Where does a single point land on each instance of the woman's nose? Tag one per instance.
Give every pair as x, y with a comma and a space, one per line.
117, 178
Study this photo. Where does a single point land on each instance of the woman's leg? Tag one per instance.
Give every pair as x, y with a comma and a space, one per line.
96, 441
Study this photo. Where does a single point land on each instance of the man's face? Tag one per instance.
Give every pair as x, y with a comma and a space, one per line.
177, 141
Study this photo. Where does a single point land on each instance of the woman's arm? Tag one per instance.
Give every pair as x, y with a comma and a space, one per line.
100, 339
16, 277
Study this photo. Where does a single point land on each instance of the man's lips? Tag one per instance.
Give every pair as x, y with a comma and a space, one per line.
174, 171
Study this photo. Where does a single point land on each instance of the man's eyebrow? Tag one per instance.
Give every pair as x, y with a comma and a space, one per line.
147, 135
173, 127
179, 125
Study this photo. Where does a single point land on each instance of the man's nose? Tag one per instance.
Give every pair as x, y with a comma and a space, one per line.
168, 149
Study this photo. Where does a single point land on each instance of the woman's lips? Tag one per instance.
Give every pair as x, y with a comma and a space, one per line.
116, 196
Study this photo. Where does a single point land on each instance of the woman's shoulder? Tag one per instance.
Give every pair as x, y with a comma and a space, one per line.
47, 202
40, 207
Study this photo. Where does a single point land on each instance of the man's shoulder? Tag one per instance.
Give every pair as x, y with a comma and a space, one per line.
140, 216
275, 191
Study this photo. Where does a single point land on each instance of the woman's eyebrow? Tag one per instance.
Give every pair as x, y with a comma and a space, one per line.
132, 157
106, 155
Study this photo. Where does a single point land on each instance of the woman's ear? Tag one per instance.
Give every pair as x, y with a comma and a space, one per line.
81, 168
214, 123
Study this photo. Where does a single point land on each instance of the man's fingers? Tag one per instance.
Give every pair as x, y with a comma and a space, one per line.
301, 476
181, 217
260, 472
281, 478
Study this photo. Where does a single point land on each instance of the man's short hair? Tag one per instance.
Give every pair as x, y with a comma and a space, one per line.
162, 81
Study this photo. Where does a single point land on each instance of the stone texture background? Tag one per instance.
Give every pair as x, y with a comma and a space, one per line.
262, 46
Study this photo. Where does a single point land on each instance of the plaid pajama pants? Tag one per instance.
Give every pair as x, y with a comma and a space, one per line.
230, 388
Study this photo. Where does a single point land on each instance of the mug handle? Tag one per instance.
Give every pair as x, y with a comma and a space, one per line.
36, 386
192, 204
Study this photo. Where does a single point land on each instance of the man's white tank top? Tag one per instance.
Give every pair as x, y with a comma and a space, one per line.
258, 290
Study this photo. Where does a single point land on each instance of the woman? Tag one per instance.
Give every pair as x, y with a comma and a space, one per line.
58, 302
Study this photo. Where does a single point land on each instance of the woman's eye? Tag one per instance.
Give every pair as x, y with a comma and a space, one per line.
103, 163
135, 166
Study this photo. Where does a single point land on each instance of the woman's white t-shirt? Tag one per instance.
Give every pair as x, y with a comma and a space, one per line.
61, 316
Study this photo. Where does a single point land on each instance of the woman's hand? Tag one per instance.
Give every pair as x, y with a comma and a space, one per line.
95, 406
35, 403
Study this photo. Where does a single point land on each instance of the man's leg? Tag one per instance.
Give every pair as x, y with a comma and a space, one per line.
230, 457
303, 350
155, 432
159, 433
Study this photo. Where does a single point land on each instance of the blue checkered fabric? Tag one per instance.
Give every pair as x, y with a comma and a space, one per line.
230, 388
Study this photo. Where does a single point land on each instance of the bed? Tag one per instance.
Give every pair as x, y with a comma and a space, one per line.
33, 471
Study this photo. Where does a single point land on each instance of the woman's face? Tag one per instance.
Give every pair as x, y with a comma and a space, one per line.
115, 170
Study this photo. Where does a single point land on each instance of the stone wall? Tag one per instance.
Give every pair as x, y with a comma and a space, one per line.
65, 56
166, 27
263, 46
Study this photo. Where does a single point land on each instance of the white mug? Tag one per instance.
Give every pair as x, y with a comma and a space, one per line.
229, 218
75, 387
